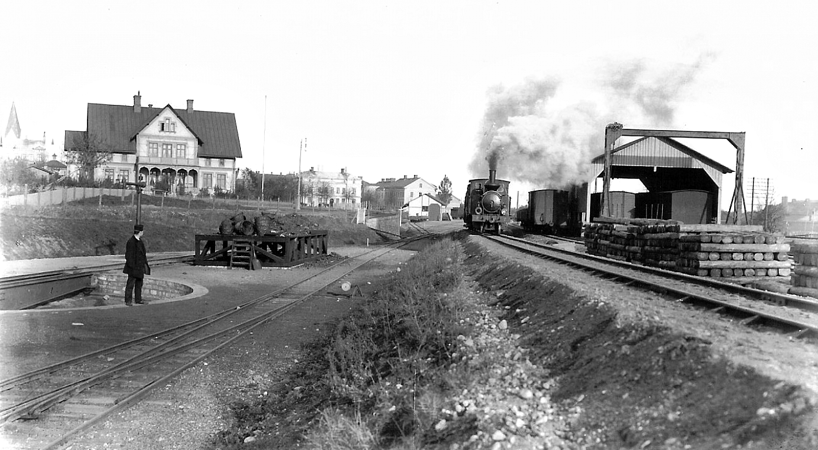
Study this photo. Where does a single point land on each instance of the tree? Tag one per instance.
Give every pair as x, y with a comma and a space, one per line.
16, 173
248, 185
371, 198
280, 187
444, 193
324, 192
88, 152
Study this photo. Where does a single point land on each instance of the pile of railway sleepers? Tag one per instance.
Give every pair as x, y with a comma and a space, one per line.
805, 272
740, 252
623, 239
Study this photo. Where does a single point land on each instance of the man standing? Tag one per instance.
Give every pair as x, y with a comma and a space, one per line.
136, 266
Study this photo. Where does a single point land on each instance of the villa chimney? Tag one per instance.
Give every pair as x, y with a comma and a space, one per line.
414, 176
189, 106
137, 102
404, 177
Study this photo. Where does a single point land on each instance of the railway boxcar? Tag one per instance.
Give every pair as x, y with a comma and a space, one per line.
486, 205
554, 211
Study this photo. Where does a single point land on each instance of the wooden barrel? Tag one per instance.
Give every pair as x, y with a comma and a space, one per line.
245, 228
226, 227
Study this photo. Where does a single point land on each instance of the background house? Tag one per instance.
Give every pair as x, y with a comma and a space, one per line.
800, 217
320, 188
394, 193
187, 149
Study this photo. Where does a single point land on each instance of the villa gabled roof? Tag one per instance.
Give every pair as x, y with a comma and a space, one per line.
117, 125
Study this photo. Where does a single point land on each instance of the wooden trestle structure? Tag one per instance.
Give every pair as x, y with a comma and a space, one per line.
269, 251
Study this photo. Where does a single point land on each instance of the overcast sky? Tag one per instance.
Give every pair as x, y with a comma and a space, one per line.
387, 89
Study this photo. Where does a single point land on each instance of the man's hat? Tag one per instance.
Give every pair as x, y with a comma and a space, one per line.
138, 227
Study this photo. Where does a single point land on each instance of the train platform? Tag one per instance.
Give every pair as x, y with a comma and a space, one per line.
34, 338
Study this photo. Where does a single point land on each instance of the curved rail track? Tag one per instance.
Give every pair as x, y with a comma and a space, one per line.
46, 407
787, 313
34, 286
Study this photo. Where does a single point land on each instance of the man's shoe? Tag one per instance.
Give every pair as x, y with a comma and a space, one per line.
140, 303
128, 304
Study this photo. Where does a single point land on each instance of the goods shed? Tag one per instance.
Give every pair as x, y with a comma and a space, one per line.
682, 183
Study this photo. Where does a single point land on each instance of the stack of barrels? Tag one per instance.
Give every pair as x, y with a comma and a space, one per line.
805, 272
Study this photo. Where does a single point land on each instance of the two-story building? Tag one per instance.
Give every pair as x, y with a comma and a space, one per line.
394, 193
320, 188
187, 149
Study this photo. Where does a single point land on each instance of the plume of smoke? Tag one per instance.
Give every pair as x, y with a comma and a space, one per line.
527, 139
654, 93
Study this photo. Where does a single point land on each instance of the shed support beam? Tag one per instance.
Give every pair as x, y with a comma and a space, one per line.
615, 130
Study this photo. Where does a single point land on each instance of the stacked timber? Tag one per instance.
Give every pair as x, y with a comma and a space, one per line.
660, 244
597, 238
732, 251
805, 272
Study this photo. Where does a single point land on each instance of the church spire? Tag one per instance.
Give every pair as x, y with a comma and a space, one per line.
14, 123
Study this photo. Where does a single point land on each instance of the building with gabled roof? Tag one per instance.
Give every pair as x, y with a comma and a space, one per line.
187, 148
669, 170
330, 189
394, 193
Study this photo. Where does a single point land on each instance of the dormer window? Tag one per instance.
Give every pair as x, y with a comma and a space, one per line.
167, 126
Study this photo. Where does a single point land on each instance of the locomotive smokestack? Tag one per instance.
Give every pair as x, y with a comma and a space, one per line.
492, 184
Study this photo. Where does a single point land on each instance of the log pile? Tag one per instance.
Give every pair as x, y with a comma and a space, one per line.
805, 272
722, 251
733, 251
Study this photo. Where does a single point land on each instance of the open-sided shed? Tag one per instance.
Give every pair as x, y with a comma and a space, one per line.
664, 165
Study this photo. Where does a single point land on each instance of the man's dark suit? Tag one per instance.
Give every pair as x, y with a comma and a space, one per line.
136, 266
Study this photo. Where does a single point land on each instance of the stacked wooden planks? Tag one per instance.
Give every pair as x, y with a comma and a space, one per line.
805, 272
733, 251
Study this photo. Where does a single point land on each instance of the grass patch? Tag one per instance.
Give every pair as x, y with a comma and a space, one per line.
379, 379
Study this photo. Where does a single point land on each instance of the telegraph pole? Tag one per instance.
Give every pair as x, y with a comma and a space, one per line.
263, 148
300, 150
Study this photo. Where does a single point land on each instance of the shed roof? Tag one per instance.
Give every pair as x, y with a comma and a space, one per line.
661, 152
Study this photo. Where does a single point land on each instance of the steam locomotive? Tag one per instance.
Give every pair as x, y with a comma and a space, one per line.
486, 204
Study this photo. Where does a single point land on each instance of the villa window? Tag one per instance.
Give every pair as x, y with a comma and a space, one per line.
221, 181
153, 149
207, 162
167, 150
208, 180
109, 174
123, 158
221, 162
167, 126
181, 150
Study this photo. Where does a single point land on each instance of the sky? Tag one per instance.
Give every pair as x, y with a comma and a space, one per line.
387, 89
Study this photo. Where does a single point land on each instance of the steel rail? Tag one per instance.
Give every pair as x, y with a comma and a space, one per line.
61, 394
749, 315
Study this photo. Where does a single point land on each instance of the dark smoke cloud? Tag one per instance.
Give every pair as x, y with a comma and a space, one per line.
527, 138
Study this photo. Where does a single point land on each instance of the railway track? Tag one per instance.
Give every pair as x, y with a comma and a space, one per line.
790, 314
44, 408
30, 290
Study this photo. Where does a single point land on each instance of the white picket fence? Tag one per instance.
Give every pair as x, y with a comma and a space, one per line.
62, 195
